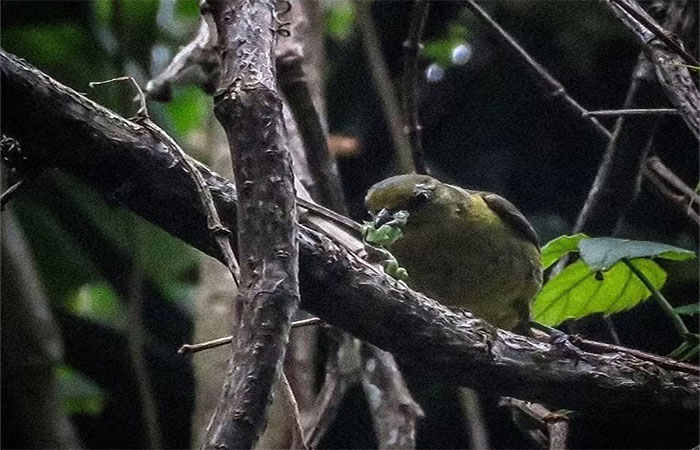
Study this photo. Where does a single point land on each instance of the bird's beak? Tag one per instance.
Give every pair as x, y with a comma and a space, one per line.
382, 217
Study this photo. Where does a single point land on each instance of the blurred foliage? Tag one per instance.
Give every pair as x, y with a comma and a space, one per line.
340, 16
188, 110
440, 49
99, 302
78, 394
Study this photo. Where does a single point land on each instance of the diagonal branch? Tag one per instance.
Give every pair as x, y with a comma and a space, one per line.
409, 92
383, 85
669, 65
125, 163
557, 90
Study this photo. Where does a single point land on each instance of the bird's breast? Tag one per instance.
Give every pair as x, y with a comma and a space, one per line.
488, 271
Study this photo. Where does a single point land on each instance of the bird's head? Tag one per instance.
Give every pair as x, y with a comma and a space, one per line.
423, 197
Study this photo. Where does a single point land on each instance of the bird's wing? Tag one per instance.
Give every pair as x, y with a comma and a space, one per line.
510, 215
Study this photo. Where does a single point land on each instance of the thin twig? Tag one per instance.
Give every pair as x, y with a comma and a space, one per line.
411, 47
342, 371
557, 424
632, 112
661, 361
214, 224
394, 411
329, 214
672, 188
610, 325
200, 53
676, 320
384, 86
616, 183
297, 431
294, 84
474, 412
10, 192
194, 348
646, 20
557, 89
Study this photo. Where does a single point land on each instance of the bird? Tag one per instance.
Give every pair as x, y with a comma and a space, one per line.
469, 250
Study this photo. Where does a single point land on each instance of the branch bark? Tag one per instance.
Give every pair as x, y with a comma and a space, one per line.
394, 412
670, 67
250, 111
127, 164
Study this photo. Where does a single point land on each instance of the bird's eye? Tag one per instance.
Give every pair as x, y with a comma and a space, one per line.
419, 199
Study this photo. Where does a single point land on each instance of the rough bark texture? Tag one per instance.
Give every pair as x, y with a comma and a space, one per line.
126, 163
671, 69
250, 110
394, 412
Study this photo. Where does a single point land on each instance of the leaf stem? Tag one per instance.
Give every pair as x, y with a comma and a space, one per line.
660, 300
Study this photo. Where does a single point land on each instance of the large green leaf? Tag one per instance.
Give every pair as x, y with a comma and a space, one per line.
556, 248
602, 253
578, 291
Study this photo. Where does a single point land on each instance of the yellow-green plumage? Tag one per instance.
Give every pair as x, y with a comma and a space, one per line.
466, 249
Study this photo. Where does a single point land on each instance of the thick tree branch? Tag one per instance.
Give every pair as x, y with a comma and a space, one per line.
59, 128
250, 111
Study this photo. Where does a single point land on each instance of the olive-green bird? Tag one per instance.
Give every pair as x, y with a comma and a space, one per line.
467, 249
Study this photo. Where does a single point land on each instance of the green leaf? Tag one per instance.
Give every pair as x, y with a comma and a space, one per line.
340, 18
78, 394
689, 310
188, 110
383, 236
601, 253
557, 248
388, 233
578, 291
